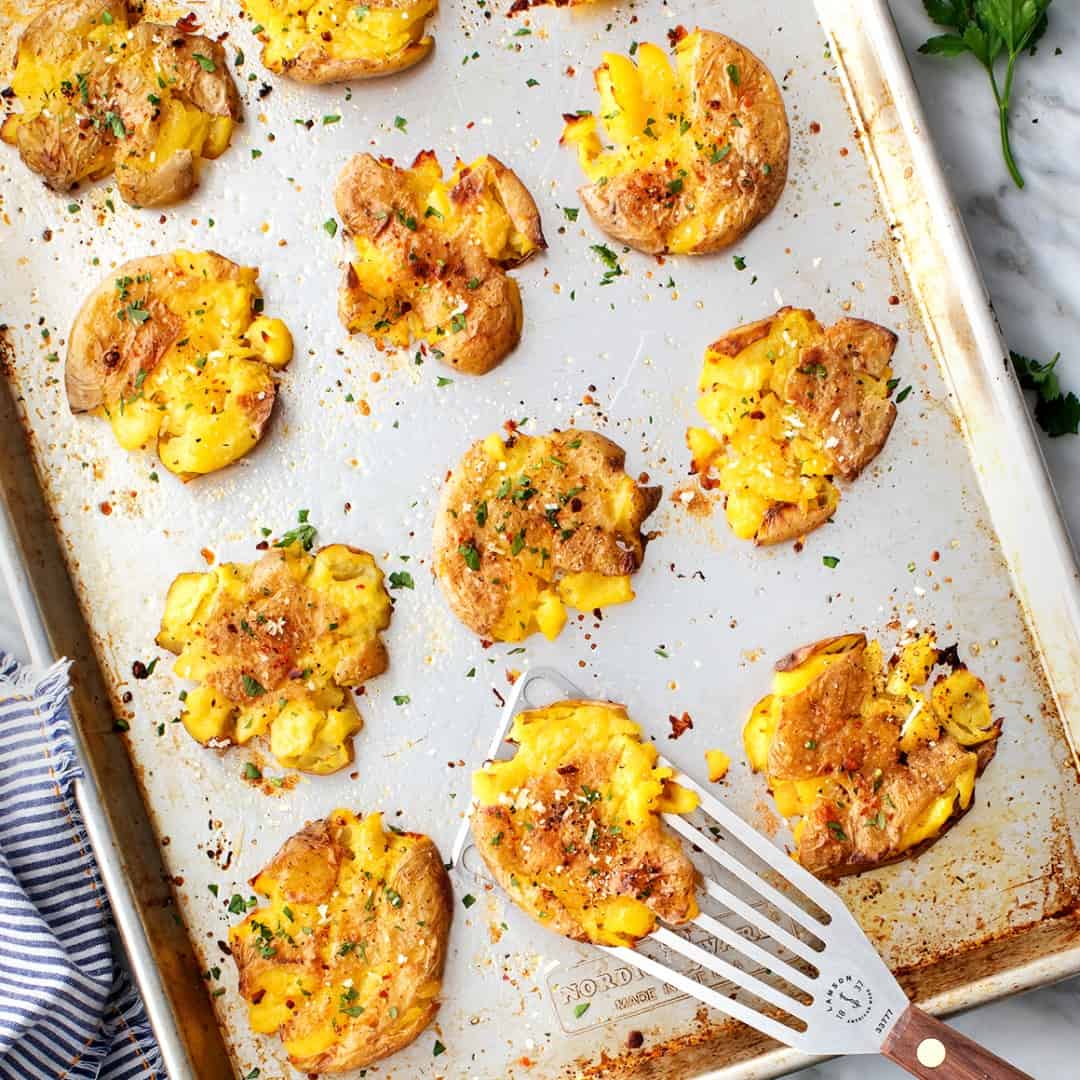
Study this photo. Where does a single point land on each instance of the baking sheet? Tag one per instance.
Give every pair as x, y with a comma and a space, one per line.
622, 359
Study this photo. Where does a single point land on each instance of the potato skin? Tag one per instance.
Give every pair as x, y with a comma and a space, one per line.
593, 464
307, 870
436, 272
104, 353
642, 209
65, 152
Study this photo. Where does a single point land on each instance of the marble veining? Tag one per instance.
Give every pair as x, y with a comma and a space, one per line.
1028, 245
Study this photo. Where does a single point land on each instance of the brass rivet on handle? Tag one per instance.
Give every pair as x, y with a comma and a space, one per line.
931, 1053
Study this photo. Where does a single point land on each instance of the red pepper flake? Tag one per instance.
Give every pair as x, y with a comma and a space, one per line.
635, 1040
208, 556
935, 555
815, 127
189, 23
676, 34
105, 508
894, 300
680, 725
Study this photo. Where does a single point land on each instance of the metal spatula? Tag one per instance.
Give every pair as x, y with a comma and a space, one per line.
810, 979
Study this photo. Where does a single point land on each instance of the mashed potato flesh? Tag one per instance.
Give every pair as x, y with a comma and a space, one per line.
338, 29
539, 596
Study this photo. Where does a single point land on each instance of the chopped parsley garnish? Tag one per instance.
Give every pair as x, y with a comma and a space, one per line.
831, 561
330, 226
471, 556
393, 897
902, 396
205, 62
581, 1010
402, 699
837, 830
401, 579
439, 1048
252, 687
250, 772
303, 534
570, 213
457, 322
482, 513
733, 74
401, 123
468, 900
610, 260
740, 262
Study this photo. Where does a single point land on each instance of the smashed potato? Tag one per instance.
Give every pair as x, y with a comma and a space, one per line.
570, 825
873, 768
274, 646
533, 524
103, 92
431, 254
791, 404
175, 352
345, 962
325, 41
686, 159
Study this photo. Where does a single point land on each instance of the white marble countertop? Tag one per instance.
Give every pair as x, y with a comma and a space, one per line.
1028, 244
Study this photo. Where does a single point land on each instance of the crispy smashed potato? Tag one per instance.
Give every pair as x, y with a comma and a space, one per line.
345, 962
102, 92
173, 350
326, 41
274, 646
686, 159
570, 825
533, 524
431, 254
873, 767
791, 404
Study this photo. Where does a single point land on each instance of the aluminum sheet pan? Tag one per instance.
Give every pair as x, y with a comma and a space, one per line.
363, 440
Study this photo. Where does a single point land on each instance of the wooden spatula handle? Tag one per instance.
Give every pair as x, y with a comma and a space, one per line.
934, 1051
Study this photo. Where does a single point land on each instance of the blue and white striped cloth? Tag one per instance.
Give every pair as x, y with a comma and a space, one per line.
68, 1010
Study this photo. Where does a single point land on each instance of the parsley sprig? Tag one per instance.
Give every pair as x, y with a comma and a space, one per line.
989, 29
1056, 413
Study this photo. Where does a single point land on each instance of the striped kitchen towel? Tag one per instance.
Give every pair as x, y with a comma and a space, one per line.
68, 1009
